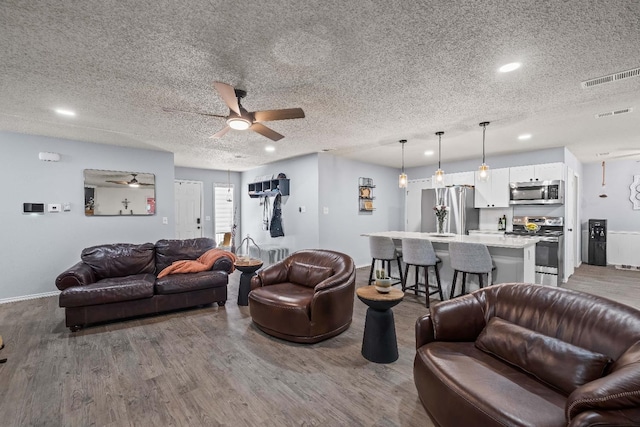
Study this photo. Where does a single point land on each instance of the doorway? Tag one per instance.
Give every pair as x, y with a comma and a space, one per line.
188, 199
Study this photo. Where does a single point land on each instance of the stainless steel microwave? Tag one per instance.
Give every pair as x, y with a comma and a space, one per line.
536, 193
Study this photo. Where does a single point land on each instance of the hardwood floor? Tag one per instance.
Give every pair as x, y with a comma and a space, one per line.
212, 367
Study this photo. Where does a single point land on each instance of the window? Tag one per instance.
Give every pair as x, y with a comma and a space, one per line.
223, 210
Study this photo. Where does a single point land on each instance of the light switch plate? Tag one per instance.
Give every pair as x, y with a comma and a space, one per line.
165, 220
325, 210
66, 207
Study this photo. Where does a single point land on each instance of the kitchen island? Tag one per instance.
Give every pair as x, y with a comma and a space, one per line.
513, 256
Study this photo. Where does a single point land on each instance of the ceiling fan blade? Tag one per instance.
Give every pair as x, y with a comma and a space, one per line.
174, 110
228, 95
265, 131
221, 133
118, 182
270, 115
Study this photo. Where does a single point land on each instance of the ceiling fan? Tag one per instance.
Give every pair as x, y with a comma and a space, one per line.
241, 119
131, 183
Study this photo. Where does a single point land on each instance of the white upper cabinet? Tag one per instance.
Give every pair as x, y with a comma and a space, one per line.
543, 172
494, 192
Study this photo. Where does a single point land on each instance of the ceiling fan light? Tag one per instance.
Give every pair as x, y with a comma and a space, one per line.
238, 123
134, 185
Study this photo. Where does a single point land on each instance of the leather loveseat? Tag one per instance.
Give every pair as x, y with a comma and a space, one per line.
305, 298
117, 281
529, 355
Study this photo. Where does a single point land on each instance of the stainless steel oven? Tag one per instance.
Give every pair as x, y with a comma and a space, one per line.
537, 193
549, 250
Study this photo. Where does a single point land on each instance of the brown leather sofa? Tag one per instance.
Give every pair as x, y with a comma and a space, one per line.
117, 281
305, 298
529, 355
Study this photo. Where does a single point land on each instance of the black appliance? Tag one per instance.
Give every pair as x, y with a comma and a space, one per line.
598, 241
536, 193
550, 248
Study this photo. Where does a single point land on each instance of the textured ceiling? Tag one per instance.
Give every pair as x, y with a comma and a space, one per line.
366, 73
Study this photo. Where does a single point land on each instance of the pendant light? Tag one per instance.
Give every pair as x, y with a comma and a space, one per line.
483, 170
439, 172
402, 179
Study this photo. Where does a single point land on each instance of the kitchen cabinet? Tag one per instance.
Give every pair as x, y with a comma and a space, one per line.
494, 192
542, 172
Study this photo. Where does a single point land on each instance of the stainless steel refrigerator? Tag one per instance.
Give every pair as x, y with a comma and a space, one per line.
462, 216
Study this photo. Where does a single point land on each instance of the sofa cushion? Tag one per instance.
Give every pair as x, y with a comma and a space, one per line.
557, 363
120, 259
307, 274
105, 291
283, 307
176, 283
468, 387
169, 251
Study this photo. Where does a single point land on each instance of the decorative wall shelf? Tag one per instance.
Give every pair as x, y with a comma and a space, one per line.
365, 194
269, 188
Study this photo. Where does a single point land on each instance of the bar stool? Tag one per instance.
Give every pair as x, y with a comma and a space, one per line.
420, 253
469, 258
383, 249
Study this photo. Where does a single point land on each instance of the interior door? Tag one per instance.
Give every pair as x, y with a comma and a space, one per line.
413, 203
188, 199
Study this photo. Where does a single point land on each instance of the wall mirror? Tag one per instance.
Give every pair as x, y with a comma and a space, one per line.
109, 193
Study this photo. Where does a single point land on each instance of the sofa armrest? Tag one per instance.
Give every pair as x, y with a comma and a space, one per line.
620, 418
458, 319
424, 330
276, 273
618, 390
223, 264
78, 275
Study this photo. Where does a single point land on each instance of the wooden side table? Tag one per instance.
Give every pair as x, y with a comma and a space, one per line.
379, 343
248, 267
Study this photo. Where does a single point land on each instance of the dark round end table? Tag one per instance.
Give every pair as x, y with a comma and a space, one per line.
248, 267
379, 343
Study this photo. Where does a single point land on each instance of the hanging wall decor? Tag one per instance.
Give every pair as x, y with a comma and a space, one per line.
635, 192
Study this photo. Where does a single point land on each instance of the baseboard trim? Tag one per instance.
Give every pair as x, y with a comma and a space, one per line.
28, 297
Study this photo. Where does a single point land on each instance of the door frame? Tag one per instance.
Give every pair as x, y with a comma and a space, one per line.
190, 181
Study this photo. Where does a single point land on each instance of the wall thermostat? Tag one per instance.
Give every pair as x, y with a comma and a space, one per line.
33, 208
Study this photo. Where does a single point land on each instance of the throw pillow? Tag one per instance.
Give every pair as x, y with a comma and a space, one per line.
307, 274
553, 361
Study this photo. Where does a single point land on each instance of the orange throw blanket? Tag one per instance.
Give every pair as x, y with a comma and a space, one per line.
203, 263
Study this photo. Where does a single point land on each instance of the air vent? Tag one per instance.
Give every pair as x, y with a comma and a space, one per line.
611, 78
614, 113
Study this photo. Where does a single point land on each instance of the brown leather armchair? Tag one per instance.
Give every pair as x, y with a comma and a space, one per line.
305, 298
528, 355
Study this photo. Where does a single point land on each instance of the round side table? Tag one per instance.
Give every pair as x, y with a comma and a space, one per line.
379, 343
248, 267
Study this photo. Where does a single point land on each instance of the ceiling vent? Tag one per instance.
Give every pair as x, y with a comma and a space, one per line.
611, 78
614, 113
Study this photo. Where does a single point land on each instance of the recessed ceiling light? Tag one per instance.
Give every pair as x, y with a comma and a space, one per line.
509, 67
429, 153
524, 136
270, 148
64, 112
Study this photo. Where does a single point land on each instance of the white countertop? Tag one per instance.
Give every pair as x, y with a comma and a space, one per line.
491, 240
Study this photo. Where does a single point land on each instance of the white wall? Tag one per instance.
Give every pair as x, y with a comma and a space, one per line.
301, 230
209, 178
108, 200
616, 208
342, 227
36, 248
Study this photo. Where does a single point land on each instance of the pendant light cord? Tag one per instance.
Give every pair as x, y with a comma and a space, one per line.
403, 141
439, 148
484, 129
